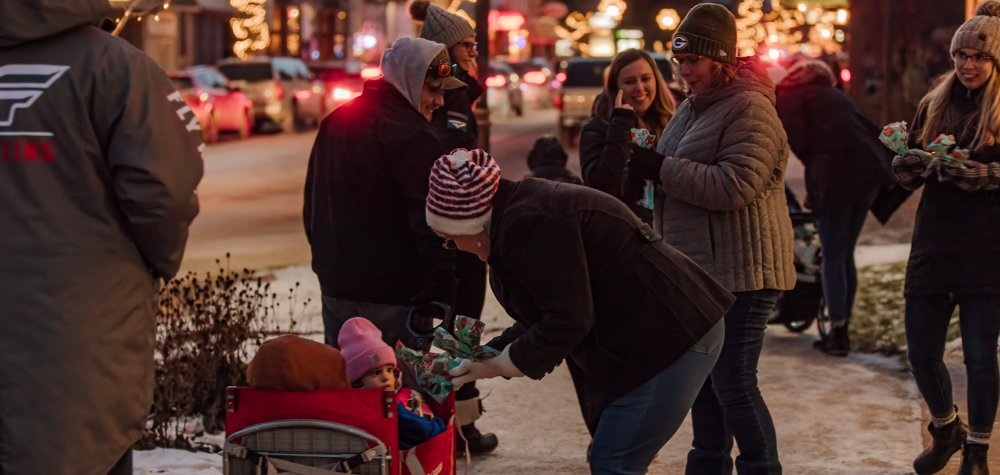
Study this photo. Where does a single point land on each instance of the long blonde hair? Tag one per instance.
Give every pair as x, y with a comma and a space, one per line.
662, 108
941, 118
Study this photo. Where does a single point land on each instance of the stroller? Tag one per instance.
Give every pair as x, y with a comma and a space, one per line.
332, 431
799, 307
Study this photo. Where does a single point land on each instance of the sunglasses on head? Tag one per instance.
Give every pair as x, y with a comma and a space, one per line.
441, 70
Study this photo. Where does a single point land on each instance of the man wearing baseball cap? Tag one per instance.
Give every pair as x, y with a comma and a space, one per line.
364, 196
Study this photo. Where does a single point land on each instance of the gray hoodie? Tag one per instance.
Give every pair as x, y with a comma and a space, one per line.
407, 62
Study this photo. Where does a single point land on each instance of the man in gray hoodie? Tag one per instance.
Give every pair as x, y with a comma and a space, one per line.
99, 160
365, 191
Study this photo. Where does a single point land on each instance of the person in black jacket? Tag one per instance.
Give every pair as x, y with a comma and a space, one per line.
547, 159
366, 184
955, 253
635, 97
845, 166
639, 324
455, 124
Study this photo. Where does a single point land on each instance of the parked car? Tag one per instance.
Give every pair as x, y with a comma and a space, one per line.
341, 80
282, 89
536, 81
503, 89
218, 105
582, 79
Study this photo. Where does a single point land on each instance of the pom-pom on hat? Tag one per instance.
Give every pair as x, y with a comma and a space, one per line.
460, 199
439, 24
363, 349
981, 32
709, 29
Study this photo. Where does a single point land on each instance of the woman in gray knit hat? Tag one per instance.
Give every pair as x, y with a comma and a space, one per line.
720, 171
455, 123
955, 253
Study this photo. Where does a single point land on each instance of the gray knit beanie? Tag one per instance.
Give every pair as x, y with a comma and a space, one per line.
981, 32
440, 25
709, 29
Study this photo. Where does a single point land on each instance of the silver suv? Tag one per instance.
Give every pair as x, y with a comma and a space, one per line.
282, 89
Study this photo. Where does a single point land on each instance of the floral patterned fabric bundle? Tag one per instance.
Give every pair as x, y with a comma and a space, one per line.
431, 369
646, 140
941, 152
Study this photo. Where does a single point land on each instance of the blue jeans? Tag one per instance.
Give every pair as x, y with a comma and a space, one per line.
927, 319
838, 234
730, 405
637, 425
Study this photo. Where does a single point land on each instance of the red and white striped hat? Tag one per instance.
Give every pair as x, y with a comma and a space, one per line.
462, 185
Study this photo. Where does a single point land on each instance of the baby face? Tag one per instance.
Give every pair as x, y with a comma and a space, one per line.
383, 377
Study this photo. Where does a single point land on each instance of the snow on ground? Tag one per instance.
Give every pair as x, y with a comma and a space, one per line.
855, 415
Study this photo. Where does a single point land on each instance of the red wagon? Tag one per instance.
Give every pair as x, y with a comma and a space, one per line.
331, 431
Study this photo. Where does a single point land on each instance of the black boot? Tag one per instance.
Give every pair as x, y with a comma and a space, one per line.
838, 343
479, 443
974, 460
945, 442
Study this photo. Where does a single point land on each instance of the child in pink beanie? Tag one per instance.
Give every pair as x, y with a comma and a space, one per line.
371, 363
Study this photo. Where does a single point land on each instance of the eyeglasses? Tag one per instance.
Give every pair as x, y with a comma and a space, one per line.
469, 44
961, 58
682, 61
441, 70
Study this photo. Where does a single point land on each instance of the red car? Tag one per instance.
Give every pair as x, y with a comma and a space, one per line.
218, 106
342, 80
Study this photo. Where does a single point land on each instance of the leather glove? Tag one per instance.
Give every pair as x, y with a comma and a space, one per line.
644, 164
468, 371
633, 188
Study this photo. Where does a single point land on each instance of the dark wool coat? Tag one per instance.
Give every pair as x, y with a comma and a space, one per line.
844, 160
589, 282
956, 236
364, 203
97, 181
605, 148
455, 121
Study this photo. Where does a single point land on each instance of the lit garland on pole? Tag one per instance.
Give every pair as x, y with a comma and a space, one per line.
250, 30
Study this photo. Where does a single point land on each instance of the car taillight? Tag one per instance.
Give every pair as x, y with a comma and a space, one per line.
497, 80
561, 77
557, 101
279, 90
303, 94
535, 77
341, 94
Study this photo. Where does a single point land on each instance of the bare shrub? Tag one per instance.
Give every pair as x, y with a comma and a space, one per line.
206, 329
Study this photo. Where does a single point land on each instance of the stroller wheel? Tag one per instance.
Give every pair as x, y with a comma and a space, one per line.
799, 326
822, 320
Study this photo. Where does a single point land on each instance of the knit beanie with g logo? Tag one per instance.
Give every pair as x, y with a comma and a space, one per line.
981, 32
709, 29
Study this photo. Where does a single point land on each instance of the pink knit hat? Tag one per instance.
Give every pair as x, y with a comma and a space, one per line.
363, 349
462, 185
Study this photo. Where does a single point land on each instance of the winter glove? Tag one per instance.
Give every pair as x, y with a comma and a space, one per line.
909, 170
468, 371
633, 188
644, 164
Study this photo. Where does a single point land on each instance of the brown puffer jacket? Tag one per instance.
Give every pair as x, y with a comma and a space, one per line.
723, 179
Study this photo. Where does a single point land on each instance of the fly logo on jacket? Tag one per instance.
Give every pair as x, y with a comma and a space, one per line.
21, 85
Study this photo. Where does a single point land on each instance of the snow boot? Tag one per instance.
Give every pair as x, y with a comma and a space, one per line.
946, 441
468, 412
838, 343
974, 460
